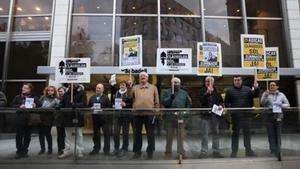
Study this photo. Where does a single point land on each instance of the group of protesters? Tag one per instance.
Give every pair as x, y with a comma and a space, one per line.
141, 96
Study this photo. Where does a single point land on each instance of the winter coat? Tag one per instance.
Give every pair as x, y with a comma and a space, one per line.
48, 102
3, 100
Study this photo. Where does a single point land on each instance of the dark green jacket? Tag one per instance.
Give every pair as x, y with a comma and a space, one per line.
181, 100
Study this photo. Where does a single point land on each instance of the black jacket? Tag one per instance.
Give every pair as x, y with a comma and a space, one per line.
125, 98
105, 103
79, 100
22, 117
207, 100
240, 97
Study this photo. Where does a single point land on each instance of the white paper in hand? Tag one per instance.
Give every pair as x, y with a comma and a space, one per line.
113, 80
29, 103
96, 108
216, 110
277, 108
118, 103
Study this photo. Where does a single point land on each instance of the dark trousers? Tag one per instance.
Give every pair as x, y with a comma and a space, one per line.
61, 134
45, 132
23, 137
124, 123
101, 121
240, 122
138, 139
273, 124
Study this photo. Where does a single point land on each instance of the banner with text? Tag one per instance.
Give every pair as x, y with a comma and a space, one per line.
272, 70
253, 51
130, 53
209, 59
174, 60
73, 70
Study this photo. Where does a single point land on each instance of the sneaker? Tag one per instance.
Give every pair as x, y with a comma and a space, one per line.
203, 155
60, 152
136, 155
64, 155
18, 156
79, 155
41, 152
94, 152
217, 155
115, 152
149, 155
25, 155
168, 156
250, 153
49, 152
233, 155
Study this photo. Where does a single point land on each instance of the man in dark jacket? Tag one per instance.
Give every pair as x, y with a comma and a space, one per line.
79, 101
100, 121
240, 96
3, 100
23, 129
209, 96
178, 99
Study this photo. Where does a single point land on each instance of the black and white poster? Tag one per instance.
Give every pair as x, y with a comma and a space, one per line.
73, 70
174, 60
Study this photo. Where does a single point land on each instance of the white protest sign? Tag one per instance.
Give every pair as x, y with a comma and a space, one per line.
131, 52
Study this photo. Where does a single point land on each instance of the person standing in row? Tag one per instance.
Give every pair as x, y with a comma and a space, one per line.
58, 122
23, 130
48, 100
179, 99
79, 101
144, 95
240, 96
122, 120
209, 96
3, 100
275, 100
100, 121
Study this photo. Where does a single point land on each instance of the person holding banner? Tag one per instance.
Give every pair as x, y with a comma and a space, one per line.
210, 97
179, 99
79, 101
24, 100
144, 95
275, 100
99, 101
240, 96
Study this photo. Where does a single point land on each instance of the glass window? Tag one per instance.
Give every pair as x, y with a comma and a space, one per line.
227, 32
182, 7
3, 24
274, 36
33, 7
25, 57
129, 26
176, 35
92, 37
15, 88
32, 24
137, 6
263, 8
2, 51
4, 7
93, 6
223, 7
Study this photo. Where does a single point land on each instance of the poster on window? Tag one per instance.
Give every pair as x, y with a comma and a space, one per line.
73, 70
272, 70
174, 60
253, 51
131, 52
209, 59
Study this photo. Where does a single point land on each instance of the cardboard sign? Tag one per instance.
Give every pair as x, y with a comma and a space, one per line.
130, 52
272, 70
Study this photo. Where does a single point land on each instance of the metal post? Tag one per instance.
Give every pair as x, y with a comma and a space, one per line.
158, 25
7, 45
69, 27
202, 21
244, 15
113, 33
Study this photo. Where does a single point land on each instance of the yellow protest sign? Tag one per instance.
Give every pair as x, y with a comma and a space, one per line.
272, 70
253, 51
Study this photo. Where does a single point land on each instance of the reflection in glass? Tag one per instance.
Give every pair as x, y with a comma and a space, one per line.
181, 33
25, 57
274, 36
145, 26
32, 24
92, 37
33, 7
223, 7
3, 24
4, 7
263, 8
2, 51
137, 6
93, 6
183, 7
227, 32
